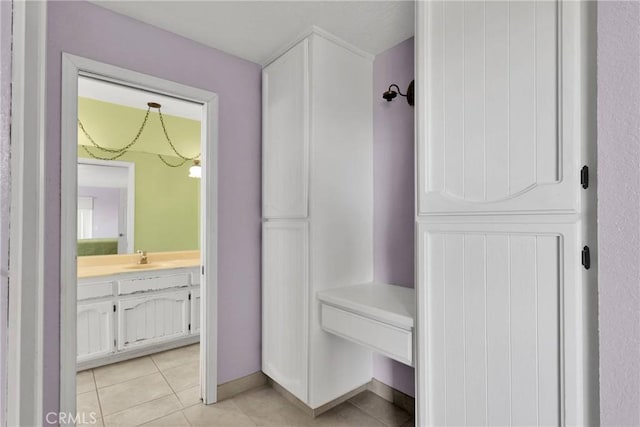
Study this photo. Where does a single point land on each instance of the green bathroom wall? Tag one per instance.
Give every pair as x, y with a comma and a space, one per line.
166, 199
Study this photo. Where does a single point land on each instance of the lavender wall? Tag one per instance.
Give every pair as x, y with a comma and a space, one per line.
87, 30
619, 211
393, 190
106, 206
5, 193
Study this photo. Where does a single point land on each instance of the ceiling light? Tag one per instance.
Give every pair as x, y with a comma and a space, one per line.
195, 171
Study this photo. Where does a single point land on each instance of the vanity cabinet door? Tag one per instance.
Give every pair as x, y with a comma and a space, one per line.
285, 150
195, 310
95, 330
152, 318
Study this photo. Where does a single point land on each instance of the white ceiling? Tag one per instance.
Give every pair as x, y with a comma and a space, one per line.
136, 98
255, 30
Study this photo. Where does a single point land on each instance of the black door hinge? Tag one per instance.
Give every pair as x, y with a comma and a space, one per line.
203, 270
189, 296
114, 308
189, 326
586, 258
584, 177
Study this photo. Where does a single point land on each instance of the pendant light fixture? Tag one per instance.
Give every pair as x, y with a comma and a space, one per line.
195, 171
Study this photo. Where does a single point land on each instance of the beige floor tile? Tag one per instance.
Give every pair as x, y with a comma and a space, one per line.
380, 409
144, 412
190, 396
184, 376
128, 394
346, 415
177, 419
123, 371
177, 357
221, 414
88, 407
267, 407
85, 382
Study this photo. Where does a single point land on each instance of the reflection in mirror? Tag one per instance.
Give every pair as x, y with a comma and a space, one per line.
136, 185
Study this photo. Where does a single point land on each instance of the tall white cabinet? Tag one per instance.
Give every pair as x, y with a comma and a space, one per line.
317, 212
507, 326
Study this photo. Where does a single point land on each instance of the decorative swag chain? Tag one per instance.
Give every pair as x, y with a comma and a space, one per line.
119, 152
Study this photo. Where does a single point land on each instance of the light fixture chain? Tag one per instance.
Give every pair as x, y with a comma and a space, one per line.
166, 134
95, 156
117, 150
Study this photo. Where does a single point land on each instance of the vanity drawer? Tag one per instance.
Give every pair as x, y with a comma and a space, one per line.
152, 283
94, 290
394, 342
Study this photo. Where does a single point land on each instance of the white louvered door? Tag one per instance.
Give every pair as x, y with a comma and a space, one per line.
504, 127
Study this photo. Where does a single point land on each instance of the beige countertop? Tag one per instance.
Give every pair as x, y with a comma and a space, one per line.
107, 265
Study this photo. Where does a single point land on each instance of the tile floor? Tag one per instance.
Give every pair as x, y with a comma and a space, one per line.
163, 390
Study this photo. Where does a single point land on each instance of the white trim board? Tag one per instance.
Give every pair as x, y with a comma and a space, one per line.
72, 68
26, 269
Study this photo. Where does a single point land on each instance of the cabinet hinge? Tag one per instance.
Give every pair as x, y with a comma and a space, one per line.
584, 177
114, 343
114, 308
189, 326
202, 270
586, 258
189, 295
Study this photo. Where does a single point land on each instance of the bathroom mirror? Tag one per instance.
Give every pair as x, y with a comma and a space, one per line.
144, 198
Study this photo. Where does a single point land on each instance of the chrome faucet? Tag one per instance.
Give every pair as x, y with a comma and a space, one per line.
143, 257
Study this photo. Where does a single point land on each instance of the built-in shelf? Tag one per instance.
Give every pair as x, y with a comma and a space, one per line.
376, 315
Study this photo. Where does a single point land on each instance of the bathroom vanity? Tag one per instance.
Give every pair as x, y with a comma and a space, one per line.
127, 309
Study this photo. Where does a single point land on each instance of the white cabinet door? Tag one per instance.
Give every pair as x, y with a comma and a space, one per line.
285, 304
503, 324
500, 86
95, 330
195, 310
285, 139
152, 318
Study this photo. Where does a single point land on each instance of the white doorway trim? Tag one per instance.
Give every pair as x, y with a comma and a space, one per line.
72, 68
131, 196
24, 387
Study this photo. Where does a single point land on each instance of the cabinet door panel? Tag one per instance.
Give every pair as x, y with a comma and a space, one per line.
152, 318
502, 122
501, 327
195, 310
285, 305
285, 150
95, 330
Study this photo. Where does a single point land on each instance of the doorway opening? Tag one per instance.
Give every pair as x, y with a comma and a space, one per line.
139, 235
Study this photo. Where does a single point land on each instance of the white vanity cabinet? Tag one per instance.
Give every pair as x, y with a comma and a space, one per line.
95, 329
153, 317
128, 314
317, 211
